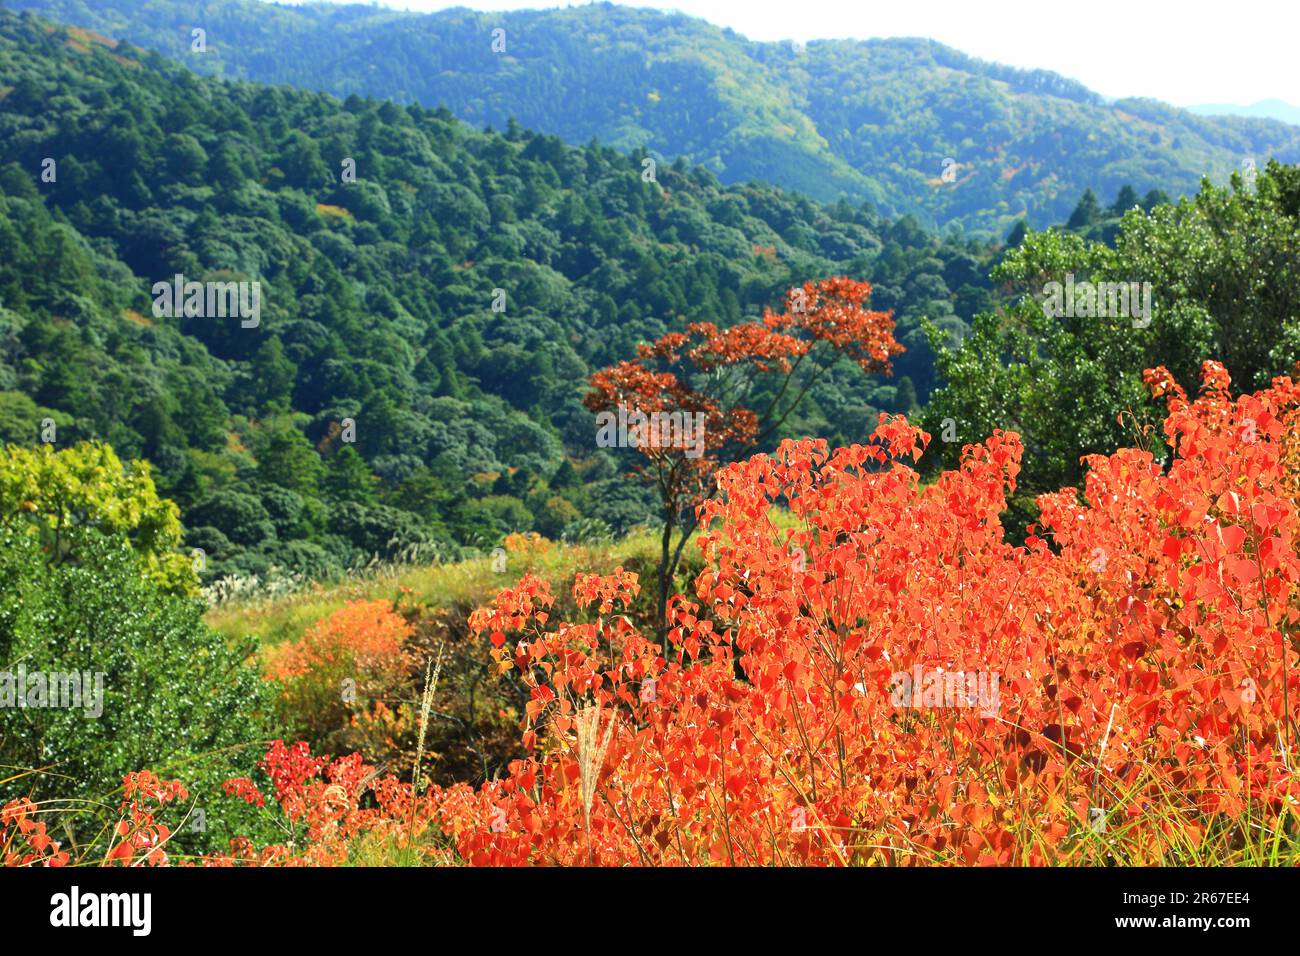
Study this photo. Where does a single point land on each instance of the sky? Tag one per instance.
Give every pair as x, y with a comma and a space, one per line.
1185, 53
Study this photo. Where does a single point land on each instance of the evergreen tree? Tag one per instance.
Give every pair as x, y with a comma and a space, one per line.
1086, 213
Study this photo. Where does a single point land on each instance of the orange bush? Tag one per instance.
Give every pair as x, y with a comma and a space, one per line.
1141, 647
526, 543
357, 652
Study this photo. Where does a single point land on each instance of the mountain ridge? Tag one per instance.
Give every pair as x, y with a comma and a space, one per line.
1273, 109
870, 120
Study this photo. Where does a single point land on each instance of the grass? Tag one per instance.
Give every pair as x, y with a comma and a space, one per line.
468, 583
462, 583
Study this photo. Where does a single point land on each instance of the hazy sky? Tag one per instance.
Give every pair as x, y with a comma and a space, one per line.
1192, 51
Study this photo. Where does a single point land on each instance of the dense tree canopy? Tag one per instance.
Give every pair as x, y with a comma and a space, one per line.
424, 328
881, 120
1223, 270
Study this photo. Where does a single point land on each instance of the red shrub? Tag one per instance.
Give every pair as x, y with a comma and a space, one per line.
1143, 643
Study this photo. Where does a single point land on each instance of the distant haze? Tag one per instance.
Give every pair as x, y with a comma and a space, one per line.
1264, 109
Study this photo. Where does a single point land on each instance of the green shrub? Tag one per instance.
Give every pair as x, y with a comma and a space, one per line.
176, 698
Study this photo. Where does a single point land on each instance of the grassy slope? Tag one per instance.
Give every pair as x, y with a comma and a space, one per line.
465, 584
469, 583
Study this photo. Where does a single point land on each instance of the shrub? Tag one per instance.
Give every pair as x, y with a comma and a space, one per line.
174, 695
1143, 641
354, 656
1128, 689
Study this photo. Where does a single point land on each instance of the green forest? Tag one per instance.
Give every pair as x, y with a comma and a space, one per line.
435, 298
380, 302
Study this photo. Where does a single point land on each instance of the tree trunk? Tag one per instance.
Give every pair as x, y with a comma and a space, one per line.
665, 579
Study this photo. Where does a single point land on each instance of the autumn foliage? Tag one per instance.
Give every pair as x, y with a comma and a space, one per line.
356, 654
1143, 637
138, 838
665, 376
25, 838
716, 377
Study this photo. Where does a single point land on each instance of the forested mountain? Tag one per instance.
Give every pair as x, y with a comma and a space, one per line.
450, 301
908, 124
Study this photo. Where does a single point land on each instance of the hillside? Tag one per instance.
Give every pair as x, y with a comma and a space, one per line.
869, 120
450, 302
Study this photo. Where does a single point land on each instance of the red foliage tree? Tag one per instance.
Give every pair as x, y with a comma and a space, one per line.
713, 374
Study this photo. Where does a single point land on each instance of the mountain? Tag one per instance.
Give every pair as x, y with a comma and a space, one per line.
908, 124
449, 301
1264, 109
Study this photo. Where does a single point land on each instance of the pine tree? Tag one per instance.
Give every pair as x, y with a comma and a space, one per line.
1086, 213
